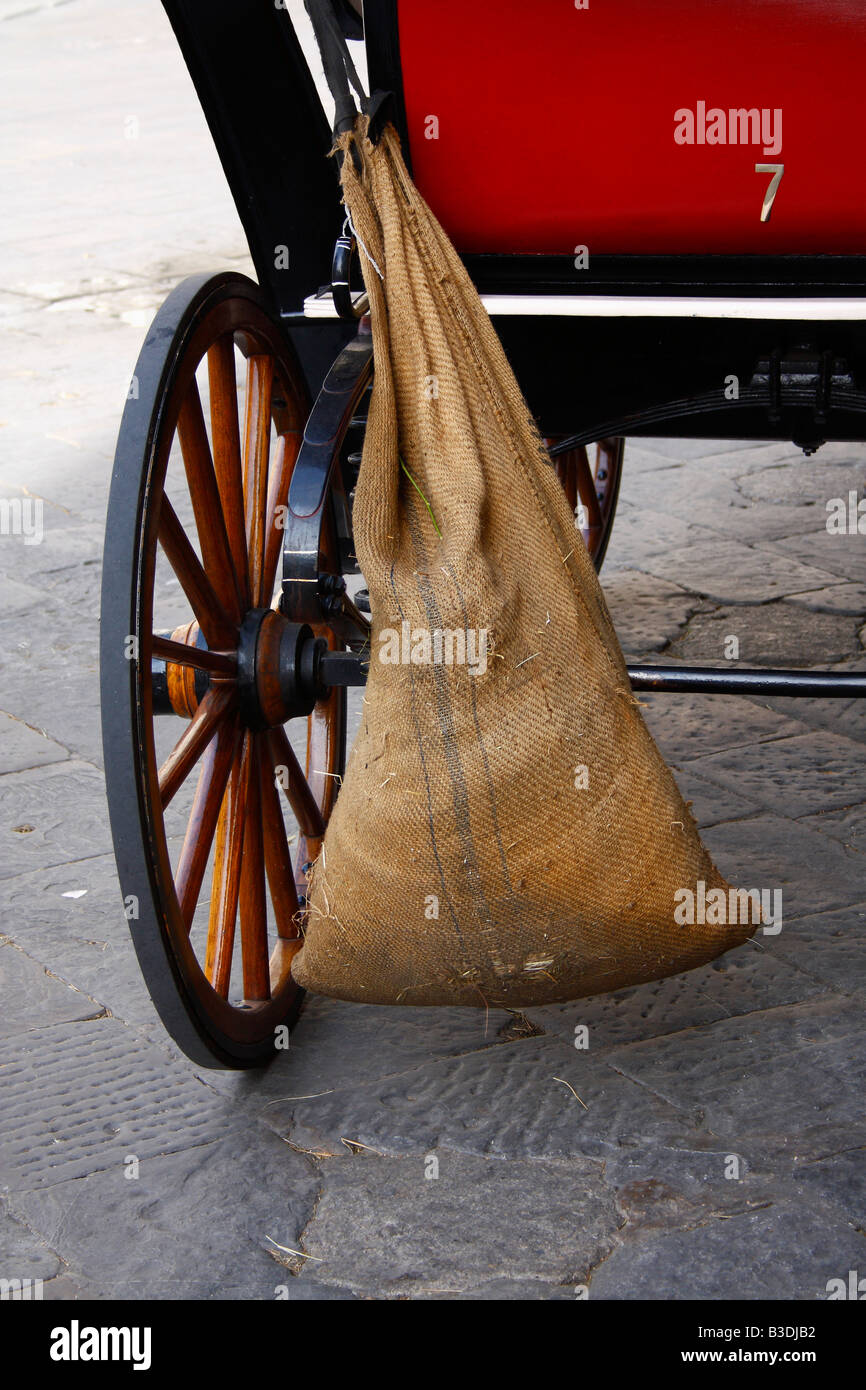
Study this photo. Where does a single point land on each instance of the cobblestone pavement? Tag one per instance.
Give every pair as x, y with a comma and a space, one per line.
717, 1146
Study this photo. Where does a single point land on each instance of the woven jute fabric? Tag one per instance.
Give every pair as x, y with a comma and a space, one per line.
507, 832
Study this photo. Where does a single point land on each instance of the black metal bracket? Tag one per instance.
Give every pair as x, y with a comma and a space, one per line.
318, 507
804, 378
341, 614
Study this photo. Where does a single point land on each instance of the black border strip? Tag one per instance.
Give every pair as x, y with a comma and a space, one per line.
746, 276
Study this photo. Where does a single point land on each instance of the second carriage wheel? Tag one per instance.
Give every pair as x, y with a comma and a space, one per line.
219, 794
590, 475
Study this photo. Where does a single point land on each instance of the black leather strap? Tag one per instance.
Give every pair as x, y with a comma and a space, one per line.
340, 73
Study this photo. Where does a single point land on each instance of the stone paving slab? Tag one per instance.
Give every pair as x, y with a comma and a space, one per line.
750, 979
807, 773
456, 1223
677, 1187
18, 598
839, 1178
713, 453
781, 633
841, 716
84, 939
775, 1081
716, 496
23, 747
832, 472
650, 540
694, 495
504, 1290
648, 613
847, 598
710, 803
830, 947
813, 871
67, 1288
53, 815
730, 572
697, 725
76, 586
789, 1251
29, 991
66, 544
458, 1103
841, 556
78, 1097
50, 681
23, 1254
74, 465
847, 825
202, 1222
345, 1045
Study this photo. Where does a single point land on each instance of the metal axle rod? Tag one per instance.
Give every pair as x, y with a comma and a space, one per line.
345, 668
307, 670
709, 680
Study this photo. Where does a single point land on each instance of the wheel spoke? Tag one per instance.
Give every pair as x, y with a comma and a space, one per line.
286, 453
278, 859
254, 920
323, 742
206, 503
225, 430
586, 487
257, 439
215, 769
178, 654
609, 454
213, 619
567, 473
193, 741
295, 785
227, 876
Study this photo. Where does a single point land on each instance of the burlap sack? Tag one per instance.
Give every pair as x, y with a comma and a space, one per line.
510, 835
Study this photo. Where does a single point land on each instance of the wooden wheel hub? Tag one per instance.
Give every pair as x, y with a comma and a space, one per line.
277, 669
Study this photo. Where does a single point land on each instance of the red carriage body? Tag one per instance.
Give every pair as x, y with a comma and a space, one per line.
634, 127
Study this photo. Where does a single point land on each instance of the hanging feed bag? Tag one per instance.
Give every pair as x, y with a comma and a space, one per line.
507, 833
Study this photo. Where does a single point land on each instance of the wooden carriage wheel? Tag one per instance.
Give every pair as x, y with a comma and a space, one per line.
592, 488
204, 785
216, 817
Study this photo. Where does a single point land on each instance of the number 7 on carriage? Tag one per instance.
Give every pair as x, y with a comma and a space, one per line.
777, 170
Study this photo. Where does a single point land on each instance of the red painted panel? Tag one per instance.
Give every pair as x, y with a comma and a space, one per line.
556, 125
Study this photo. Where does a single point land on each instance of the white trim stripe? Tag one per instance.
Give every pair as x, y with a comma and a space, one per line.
648, 306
